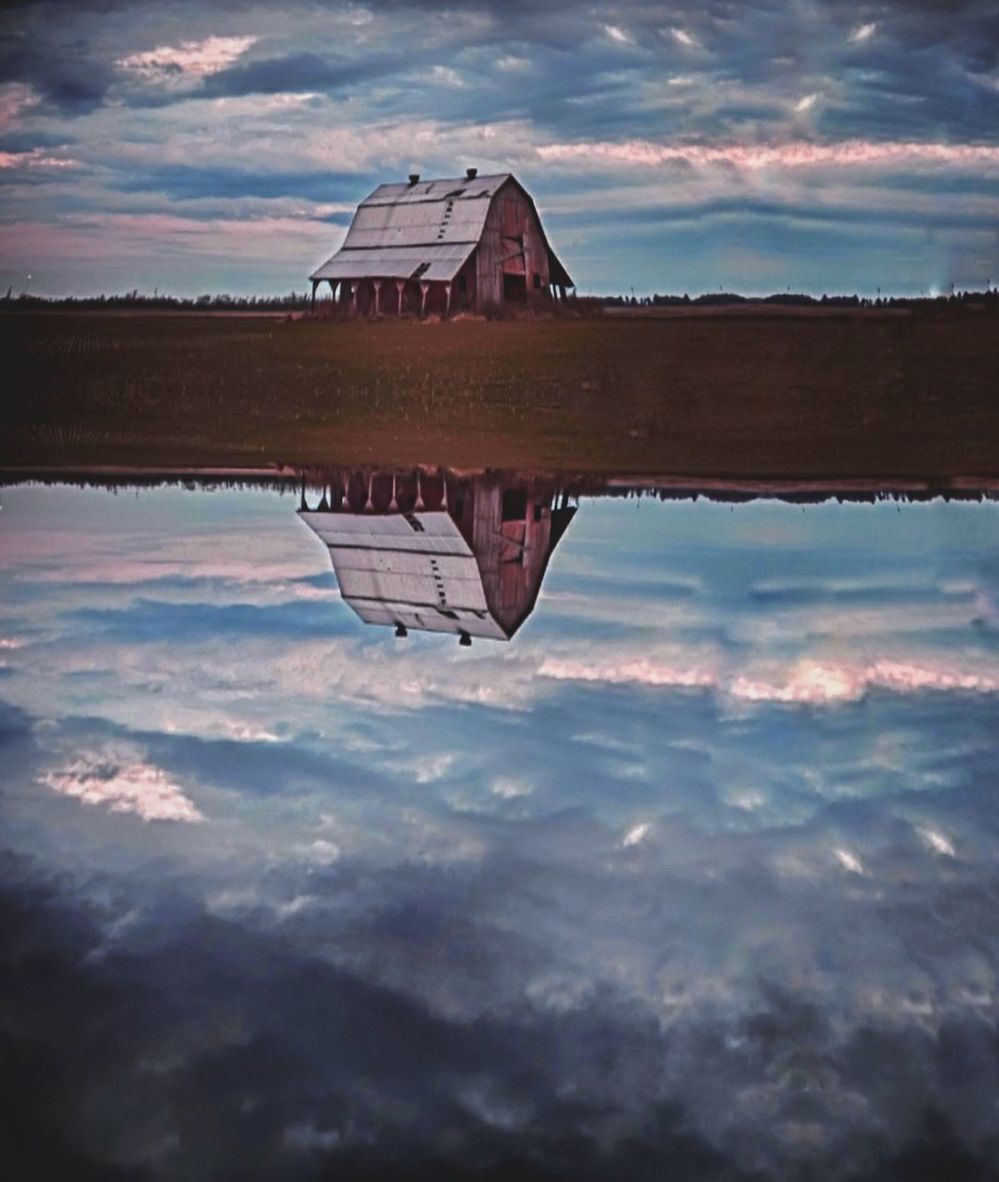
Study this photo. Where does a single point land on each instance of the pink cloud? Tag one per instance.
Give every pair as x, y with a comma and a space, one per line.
793, 154
191, 59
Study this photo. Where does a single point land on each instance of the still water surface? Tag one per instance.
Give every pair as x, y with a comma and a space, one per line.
697, 872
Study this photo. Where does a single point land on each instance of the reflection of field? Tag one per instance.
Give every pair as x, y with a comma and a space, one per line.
861, 395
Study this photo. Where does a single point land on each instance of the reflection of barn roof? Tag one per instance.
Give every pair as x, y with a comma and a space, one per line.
422, 231
412, 569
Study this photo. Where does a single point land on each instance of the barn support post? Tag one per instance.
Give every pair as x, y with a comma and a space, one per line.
377, 285
400, 287
354, 285
315, 284
447, 299
424, 288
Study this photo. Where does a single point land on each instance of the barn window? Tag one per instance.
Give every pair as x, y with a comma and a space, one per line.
537, 279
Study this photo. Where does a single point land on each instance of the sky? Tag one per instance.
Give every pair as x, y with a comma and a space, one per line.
697, 874
758, 146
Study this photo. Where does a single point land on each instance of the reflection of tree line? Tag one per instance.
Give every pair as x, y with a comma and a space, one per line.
573, 486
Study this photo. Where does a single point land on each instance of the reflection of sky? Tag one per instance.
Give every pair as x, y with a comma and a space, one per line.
699, 870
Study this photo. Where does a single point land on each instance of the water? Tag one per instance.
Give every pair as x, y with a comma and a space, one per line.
696, 873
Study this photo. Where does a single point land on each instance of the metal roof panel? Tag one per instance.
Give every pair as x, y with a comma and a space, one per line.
443, 261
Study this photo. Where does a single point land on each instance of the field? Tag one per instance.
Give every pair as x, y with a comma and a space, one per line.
783, 396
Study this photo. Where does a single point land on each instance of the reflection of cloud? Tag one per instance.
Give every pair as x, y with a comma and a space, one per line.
816, 683
125, 785
805, 680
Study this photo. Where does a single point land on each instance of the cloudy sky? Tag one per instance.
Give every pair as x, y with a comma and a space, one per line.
698, 872
755, 146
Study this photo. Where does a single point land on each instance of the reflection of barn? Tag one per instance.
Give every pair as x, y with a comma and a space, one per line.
440, 553
443, 246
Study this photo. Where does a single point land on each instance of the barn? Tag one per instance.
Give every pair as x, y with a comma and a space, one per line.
439, 247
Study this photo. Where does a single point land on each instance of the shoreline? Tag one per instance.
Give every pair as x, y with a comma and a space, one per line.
913, 488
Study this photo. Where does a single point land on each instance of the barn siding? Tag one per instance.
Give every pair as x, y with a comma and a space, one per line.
511, 225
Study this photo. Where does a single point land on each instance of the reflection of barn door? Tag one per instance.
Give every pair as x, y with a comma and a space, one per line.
512, 584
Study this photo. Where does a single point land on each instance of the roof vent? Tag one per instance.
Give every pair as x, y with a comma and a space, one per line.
414, 177
471, 173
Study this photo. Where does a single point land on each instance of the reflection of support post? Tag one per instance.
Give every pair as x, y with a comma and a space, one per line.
464, 639
393, 504
303, 507
400, 287
447, 299
369, 504
377, 284
354, 285
419, 494
444, 494
424, 288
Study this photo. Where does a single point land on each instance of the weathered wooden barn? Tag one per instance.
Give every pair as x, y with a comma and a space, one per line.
439, 247
438, 552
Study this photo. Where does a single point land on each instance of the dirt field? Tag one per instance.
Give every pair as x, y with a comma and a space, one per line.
864, 395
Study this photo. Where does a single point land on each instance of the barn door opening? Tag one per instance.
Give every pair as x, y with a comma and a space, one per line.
515, 289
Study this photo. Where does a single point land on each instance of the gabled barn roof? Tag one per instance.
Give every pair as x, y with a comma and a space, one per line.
430, 227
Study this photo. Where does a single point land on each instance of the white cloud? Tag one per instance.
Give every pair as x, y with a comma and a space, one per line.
510, 789
446, 76
321, 852
806, 103
938, 842
636, 834
682, 37
187, 61
616, 33
863, 32
125, 785
849, 861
